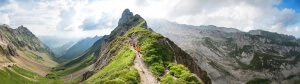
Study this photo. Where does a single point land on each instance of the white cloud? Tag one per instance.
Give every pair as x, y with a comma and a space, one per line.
89, 18
295, 29
4, 19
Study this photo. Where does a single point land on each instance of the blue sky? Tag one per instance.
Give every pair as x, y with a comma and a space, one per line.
293, 4
87, 18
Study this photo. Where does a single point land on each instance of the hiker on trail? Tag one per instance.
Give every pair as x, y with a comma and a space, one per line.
138, 48
133, 44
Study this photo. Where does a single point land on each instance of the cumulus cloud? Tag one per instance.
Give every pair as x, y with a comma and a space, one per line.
99, 17
284, 18
67, 19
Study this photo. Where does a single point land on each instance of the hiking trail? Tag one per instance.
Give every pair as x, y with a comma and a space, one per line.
145, 73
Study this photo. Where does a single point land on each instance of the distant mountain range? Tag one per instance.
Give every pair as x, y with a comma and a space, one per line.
78, 48
232, 56
61, 50
59, 45
54, 42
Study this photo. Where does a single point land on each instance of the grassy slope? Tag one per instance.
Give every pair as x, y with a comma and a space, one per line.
16, 75
41, 58
119, 70
182, 73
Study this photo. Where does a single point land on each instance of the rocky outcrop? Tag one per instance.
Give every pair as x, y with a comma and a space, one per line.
86, 75
11, 50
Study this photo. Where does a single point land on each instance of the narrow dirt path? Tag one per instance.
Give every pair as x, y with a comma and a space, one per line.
145, 74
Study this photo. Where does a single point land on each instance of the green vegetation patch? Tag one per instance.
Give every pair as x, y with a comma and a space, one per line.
238, 51
264, 61
180, 75
34, 56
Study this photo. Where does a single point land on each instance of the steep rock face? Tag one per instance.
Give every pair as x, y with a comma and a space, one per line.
182, 57
232, 56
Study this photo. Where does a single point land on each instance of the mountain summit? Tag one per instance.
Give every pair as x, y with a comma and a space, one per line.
126, 15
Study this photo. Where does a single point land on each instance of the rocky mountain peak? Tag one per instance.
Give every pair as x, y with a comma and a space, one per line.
23, 30
125, 16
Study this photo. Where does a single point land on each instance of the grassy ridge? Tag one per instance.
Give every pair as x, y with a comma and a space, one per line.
155, 54
159, 57
119, 69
